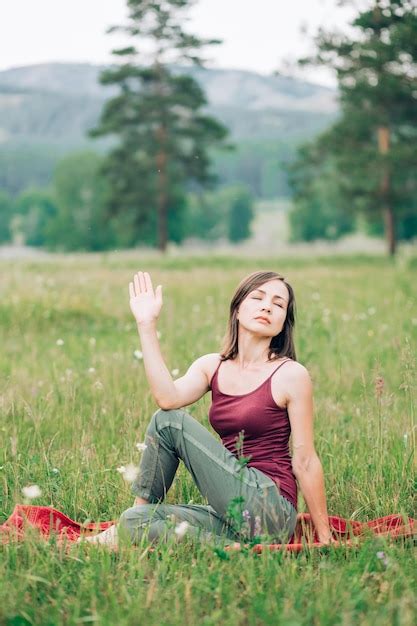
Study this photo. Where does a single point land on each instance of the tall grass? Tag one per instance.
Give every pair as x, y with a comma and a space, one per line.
74, 401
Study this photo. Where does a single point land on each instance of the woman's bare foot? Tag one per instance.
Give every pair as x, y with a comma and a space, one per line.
108, 537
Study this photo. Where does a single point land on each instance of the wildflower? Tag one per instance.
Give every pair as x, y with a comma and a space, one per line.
175, 372
326, 312
345, 317
371, 310
246, 515
138, 355
382, 557
91, 370
92, 341
258, 527
361, 316
196, 308
405, 439
129, 472
32, 491
181, 528
59, 342
370, 333
379, 386
141, 446
98, 385
55, 470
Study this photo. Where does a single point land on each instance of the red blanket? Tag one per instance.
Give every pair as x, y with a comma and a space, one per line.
49, 521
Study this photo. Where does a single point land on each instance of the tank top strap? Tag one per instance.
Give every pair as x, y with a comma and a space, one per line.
277, 368
214, 374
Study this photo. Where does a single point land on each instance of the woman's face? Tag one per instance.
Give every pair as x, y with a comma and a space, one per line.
268, 301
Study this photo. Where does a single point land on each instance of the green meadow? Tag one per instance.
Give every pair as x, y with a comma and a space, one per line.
74, 401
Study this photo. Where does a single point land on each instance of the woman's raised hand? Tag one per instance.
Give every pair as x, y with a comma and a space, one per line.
145, 304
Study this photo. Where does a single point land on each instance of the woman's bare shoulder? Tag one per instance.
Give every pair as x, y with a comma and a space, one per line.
209, 363
295, 371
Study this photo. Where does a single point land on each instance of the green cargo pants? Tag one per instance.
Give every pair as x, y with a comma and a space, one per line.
258, 507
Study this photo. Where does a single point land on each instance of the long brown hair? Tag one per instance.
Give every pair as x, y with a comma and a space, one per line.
281, 344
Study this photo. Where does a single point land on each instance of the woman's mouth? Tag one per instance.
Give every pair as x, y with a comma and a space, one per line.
263, 319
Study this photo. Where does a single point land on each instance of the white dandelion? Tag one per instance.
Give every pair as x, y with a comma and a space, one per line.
130, 473
59, 342
31, 491
91, 370
175, 371
181, 528
141, 446
138, 355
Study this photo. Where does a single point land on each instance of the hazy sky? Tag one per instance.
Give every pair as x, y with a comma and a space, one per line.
258, 35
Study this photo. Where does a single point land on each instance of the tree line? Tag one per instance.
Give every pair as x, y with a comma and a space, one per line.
72, 213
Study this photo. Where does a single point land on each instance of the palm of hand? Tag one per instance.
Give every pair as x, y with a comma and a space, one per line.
145, 303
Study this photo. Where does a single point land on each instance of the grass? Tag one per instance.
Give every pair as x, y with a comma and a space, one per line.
72, 410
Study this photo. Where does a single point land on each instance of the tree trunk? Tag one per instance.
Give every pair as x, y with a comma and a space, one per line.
162, 202
385, 191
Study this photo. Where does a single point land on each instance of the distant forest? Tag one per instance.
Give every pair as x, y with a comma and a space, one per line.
47, 110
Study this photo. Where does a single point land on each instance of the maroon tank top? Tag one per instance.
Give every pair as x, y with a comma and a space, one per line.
266, 429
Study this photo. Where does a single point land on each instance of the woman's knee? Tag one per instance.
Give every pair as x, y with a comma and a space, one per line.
135, 515
163, 418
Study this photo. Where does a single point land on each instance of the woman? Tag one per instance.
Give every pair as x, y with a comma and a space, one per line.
260, 395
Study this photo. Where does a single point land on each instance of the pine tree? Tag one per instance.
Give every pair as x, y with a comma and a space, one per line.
373, 142
164, 136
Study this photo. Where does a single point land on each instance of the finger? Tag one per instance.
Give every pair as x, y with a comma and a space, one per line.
131, 290
137, 286
148, 282
142, 281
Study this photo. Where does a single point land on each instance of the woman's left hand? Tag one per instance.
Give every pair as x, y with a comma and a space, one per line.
328, 541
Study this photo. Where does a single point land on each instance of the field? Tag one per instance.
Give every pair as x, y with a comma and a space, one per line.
74, 401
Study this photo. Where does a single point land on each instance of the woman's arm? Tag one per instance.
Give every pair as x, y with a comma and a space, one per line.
146, 306
306, 464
